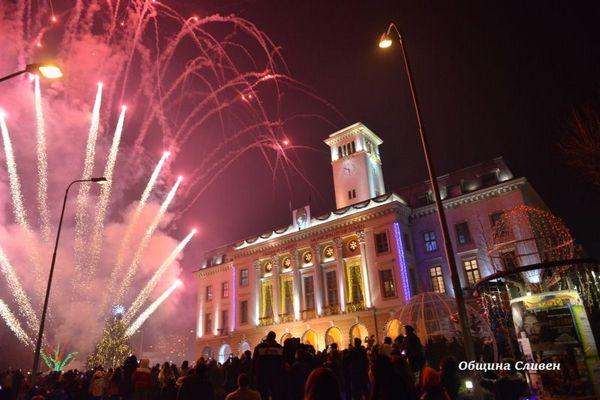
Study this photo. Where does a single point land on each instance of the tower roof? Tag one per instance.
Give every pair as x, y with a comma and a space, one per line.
351, 131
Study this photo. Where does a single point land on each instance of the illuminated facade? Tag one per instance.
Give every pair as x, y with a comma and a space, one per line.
346, 274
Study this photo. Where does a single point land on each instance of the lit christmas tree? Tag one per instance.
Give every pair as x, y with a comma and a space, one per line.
113, 347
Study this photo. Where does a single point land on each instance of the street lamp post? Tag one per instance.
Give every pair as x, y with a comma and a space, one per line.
38, 346
385, 42
49, 71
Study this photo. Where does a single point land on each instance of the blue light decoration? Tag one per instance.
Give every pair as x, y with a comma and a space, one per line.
233, 298
403, 266
118, 310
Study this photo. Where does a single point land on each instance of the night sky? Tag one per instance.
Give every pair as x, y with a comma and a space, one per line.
493, 79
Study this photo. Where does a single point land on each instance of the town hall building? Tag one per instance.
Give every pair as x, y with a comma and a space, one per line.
347, 273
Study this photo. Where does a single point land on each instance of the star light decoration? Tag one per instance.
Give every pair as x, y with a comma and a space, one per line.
329, 252
268, 266
307, 257
119, 310
352, 245
287, 263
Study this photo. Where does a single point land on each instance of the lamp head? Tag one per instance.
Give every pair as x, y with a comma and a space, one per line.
47, 70
101, 180
385, 40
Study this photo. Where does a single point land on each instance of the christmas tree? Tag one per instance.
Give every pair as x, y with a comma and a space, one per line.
113, 347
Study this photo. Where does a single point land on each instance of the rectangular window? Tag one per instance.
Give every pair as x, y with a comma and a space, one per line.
224, 321
244, 312
495, 217
463, 236
387, 283
471, 271
288, 297
339, 152
244, 277
430, 242
437, 279
208, 323
309, 293
225, 289
406, 243
381, 242
332, 288
353, 147
353, 193
209, 293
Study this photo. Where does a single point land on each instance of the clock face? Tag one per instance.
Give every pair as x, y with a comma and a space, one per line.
301, 218
349, 169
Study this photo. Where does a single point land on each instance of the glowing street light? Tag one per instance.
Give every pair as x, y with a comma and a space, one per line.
385, 42
38, 346
47, 70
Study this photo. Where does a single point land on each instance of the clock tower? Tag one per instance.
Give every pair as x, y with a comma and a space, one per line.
356, 165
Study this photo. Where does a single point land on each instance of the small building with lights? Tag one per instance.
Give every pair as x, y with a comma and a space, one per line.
349, 273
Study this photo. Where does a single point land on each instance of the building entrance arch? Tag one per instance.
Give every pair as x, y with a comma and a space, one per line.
393, 328
358, 331
224, 352
284, 337
310, 337
207, 352
333, 335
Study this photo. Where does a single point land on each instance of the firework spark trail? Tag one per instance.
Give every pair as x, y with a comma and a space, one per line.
151, 308
133, 267
17, 197
145, 292
13, 324
124, 246
42, 164
15, 183
84, 188
16, 289
105, 192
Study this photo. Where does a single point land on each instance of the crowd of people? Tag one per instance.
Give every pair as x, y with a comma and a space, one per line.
395, 369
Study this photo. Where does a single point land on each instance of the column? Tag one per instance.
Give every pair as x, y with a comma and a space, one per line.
339, 258
297, 284
364, 267
276, 284
316, 249
257, 292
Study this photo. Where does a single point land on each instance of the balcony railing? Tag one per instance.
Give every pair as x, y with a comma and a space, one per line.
308, 314
331, 310
283, 318
264, 321
354, 307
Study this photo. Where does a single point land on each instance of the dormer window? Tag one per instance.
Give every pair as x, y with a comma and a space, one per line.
489, 179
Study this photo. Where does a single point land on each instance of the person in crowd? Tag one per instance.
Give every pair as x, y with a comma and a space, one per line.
406, 379
335, 363
383, 378
114, 384
196, 386
412, 349
449, 377
141, 380
298, 374
269, 368
243, 391
431, 386
97, 384
322, 385
165, 374
509, 385
357, 377
386, 347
